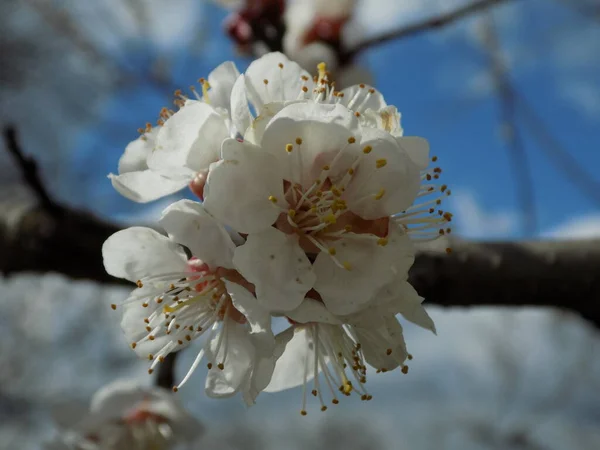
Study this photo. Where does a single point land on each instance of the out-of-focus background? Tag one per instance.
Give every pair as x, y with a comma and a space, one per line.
509, 98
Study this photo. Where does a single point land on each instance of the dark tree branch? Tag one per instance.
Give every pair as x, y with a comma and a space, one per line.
166, 371
29, 170
433, 23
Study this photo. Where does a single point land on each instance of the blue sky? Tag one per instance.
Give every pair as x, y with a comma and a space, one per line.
441, 84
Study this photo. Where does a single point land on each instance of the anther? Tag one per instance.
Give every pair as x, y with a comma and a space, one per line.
299, 141
388, 351
113, 306
332, 251
303, 412
280, 65
221, 366
380, 194
272, 199
347, 265
209, 365
150, 371
351, 140
380, 163
367, 149
382, 242
404, 370
175, 388
289, 148
266, 81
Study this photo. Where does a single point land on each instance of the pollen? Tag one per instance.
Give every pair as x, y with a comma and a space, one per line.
280, 65
367, 149
381, 163
175, 388
299, 141
350, 171
380, 194
388, 351
139, 283
382, 242
404, 370
332, 251
113, 306
272, 199
326, 167
330, 219
292, 213
303, 412
351, 140
347, 265
221, 366
133, 345
209, 365
266, 81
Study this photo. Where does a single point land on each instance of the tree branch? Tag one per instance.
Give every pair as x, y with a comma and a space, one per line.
28, 169
432, 23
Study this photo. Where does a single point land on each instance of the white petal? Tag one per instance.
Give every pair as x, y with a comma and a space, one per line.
324, 130
379, 191
312, 311
258, 318
274, 262
238, 188
360, 99
408, 302
136, 153
117, 397
283, 83
241, 117
375, 343
387, 119
221, 82
254, 133
297, 359
416, 148
145, 186
137, 252
189, 141
188, 223
372, 266
237, 364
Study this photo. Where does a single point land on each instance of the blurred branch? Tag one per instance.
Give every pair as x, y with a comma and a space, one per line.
583, 9
29, 170
510, 133
166, 371
433, 23
558, 154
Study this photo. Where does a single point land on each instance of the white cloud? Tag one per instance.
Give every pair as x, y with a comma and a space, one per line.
578, 227
473, 221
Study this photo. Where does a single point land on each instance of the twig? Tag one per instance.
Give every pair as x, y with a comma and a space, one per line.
557, 153
166, 371
510, 133
432, 23
29, 170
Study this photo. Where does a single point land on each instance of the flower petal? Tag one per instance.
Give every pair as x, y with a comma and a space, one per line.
221, 81
312, 311
136, 153
236, 353
400, 297
239, 187
241, 117
371, 267
189, 141
361, 97
277, 266
317, 133
383, 347
145, 186
284, 80
416, 148
137, 252
386, 180
387, 119
188, 223
296, 361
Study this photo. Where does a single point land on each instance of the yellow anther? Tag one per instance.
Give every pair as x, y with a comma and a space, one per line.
280, 65
289, 148
347, 388
272, 199
150, 371
382, 241
139, 284
221, 366
303, 413
205, 88
335, 191
388, 351
347, 265
209, 365
150, 357
326, 167
266, 81
330, 219
113, 306
292, 213
404, 370
367, 149
335, 401
380, 194
351, 140
175, 388
133, 345
348, 228
381, 163
350, 171
299, 141
332, 251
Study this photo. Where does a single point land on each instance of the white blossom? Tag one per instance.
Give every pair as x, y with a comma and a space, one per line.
179, 299
126, 416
